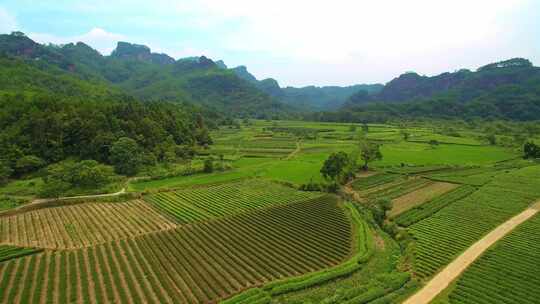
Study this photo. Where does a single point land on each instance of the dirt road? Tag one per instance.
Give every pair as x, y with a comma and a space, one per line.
46, 200
441, 281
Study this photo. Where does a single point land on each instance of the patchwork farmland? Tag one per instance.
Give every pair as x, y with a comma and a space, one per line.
247, 234
193, 264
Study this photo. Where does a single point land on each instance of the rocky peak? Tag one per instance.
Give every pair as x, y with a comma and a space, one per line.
129, 51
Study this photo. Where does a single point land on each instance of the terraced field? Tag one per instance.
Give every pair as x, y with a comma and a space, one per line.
388, 185
418, 197
197, 204
198, 263
509, 272
442, 236
81, 225
430, 207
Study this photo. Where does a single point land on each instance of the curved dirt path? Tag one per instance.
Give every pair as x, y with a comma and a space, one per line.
441, 281
46, 200
296, 151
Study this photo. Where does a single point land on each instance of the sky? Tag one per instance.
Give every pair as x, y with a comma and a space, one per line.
297, 42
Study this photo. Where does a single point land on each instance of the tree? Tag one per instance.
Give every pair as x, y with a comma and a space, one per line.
531, 150
5, 173
126, 156
28, 163
208, 165
379, 209
405, 134
492, 139
369, 152
54, 188
334, 166
87, 174
365, 128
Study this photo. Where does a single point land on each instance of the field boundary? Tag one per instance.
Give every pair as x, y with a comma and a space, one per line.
453, 270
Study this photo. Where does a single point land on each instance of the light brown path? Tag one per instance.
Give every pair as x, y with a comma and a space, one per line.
296, 151
441, 281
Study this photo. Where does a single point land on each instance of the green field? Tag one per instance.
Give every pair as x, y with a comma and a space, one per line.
246, 234
230, 253
507, 273
455, 227
276, 159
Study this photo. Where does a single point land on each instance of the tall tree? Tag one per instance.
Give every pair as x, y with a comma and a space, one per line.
369, 152
126, 156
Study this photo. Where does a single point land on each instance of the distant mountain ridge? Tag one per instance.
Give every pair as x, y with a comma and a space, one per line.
464, 85
507, 89
135, 70
309, 98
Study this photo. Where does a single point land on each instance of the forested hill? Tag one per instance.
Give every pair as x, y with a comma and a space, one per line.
132, 70
504, 90
309, 98
463, 85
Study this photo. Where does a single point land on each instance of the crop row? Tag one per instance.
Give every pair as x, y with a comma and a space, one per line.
455, 227
11, 252
475, 176
225, 199
365, 183
81, 225
507, 273
198, 263
402, 188
429, 208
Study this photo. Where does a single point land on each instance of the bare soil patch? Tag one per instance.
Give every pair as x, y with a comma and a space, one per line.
420, 196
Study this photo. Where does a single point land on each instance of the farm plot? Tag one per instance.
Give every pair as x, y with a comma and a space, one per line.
197, 204
199, 263
81, 225
429, 208
396, 189
475, 176
418, 197
442, 236
372, 181
509, 272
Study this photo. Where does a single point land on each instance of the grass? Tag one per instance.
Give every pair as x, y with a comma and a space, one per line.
268, 151
422, 154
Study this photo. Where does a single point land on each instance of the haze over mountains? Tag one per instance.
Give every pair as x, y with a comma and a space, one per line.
508, 89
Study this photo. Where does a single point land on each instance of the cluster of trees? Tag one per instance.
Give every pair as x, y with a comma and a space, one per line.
531, 150
341, 167
70, 174
39, 130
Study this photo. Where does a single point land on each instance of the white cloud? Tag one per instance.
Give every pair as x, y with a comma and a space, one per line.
8, 22
97, 38
332, 31
376, 36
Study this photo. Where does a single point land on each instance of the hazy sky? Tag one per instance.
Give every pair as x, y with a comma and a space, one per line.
297, 42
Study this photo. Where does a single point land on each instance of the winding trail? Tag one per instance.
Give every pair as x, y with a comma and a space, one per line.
46, 200
296, 151
441, 281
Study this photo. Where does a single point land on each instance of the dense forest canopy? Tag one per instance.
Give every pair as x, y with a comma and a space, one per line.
134, 70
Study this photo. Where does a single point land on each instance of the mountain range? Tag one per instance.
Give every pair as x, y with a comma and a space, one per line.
504, 90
